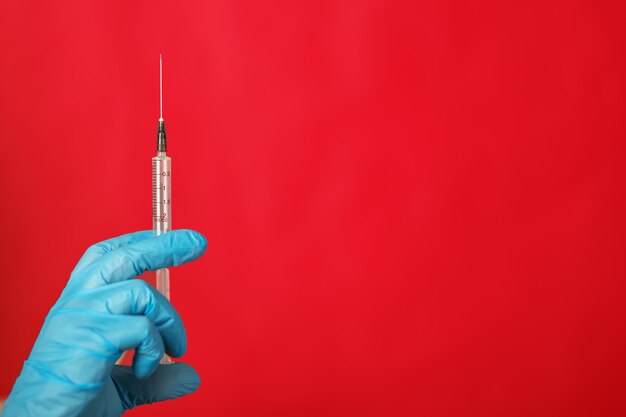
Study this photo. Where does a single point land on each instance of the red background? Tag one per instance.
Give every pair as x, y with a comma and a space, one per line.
413, 208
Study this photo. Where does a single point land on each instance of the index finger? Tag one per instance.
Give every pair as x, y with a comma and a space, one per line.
169, 249
101, 248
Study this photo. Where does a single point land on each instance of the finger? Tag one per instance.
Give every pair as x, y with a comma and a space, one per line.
169, 249
166, 383
135, 297
97, 340
101, 248
142, 336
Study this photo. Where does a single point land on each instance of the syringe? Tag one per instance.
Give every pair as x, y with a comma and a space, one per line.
161, 194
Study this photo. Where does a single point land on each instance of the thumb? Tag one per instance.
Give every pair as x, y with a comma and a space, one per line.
167, 382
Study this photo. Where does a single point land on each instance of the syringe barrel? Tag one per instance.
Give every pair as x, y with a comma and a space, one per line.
161, 193
162, 216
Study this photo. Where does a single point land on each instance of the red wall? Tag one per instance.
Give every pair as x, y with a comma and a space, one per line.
413, 208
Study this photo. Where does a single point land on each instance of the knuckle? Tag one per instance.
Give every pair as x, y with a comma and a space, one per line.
128, 258
97, 248
143, 297
143, 290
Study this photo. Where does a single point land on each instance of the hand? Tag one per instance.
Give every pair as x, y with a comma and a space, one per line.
101, 313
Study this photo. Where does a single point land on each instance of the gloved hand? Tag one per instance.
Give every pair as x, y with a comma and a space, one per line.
101, 313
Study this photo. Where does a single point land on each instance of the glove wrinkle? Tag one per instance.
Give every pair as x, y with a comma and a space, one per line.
50, 375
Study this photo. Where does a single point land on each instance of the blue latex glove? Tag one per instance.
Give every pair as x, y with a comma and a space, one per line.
101, 313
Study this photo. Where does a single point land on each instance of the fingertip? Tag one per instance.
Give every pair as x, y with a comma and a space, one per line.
183, 348
203, 241
177, 349
194, 238
187, 245
149, 352
188, 376
144, 366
